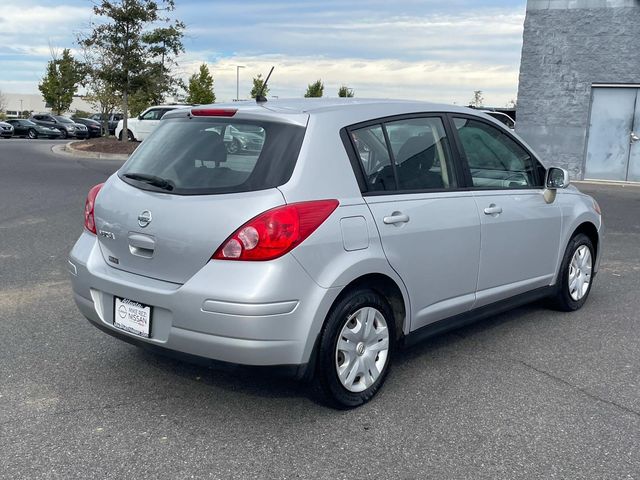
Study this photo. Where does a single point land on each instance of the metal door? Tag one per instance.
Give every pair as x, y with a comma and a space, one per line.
612, 149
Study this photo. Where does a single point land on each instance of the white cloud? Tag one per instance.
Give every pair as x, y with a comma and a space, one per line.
435, 81
422, 49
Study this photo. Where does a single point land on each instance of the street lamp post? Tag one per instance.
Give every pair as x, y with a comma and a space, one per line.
238, 67
20, 112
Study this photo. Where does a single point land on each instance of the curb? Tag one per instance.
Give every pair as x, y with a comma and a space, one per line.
68, 150
609, 183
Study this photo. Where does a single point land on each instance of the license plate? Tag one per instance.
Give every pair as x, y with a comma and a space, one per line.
132, 317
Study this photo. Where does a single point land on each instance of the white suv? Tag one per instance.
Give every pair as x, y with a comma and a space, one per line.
140, 127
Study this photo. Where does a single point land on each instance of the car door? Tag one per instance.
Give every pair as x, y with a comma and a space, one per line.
429, 228
147, 122
520, 231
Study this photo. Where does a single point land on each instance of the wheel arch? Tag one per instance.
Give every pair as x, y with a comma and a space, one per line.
591, 231
388, 288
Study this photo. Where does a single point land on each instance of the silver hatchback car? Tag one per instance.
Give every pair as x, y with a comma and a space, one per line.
356, 227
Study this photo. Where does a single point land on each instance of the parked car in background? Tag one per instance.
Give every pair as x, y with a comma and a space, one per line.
27, 128
82, 132
503, 118
330, 247
237, 141
67, 127
140, 127
6, 130
94, 127
112, 120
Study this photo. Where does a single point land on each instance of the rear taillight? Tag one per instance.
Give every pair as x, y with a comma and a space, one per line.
89, 204
275, 232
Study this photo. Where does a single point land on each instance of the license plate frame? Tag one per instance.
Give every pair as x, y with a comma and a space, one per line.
132, 316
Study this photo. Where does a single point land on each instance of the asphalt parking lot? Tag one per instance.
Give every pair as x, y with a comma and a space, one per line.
532, 393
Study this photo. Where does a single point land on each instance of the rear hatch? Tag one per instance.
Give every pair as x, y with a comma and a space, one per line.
181, 195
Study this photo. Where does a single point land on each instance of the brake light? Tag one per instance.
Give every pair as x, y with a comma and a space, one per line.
213, 112
89, 204
275, 232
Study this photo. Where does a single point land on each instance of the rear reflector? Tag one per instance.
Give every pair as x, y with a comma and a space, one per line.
275, 232
213, 112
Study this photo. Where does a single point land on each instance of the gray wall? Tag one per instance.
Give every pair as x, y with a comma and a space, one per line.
568, 46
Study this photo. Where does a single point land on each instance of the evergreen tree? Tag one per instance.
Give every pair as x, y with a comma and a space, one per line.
61, 81
200, 89
315, 89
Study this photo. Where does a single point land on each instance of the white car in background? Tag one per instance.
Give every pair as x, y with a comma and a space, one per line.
140, 127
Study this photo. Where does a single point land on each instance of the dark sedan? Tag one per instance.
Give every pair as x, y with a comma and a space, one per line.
94, 128
6, 130
26, 128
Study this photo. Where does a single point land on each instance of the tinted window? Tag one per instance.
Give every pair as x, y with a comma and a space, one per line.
421, 152
419, 149
206, 156
495, 160
374, 157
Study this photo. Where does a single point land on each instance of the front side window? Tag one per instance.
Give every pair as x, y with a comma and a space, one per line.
495, 160
405, 155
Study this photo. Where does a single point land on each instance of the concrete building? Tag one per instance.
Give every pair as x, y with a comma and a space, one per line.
579, 95
32, 102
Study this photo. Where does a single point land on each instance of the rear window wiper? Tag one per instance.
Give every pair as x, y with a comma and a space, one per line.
151, 180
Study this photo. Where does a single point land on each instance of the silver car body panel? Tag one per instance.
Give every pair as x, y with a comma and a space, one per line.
450, 258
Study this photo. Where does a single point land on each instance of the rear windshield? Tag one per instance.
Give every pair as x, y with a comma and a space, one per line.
200, 156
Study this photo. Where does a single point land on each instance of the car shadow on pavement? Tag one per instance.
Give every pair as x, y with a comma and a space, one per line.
267, 384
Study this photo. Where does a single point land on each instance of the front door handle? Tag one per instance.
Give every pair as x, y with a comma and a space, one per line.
395, 218
493, 210
634, 137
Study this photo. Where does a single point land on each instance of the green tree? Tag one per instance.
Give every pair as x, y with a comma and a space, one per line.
345, 91
102, 97
140, 43
315, 89
61, 81
478, 99
200, 89
258, 82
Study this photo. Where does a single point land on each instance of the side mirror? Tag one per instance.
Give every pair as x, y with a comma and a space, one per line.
557, 178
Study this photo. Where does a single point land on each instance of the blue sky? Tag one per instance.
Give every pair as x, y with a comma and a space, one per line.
426, 49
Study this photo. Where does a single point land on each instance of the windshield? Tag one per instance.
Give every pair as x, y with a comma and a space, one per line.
198, 156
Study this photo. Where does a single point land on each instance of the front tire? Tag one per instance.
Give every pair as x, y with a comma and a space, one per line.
64, 134
32, 133
356, 349
576, 274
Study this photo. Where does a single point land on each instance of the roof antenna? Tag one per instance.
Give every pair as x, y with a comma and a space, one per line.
260, 98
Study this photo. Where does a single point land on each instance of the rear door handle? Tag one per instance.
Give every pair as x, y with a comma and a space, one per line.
395, 218
493, 210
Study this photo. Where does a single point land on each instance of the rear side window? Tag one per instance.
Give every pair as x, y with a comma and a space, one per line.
199, 156
405, 155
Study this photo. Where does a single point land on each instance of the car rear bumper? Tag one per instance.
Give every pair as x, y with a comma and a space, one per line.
247, 313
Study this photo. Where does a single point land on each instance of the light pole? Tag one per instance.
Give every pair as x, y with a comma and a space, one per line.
20, 113
238, 67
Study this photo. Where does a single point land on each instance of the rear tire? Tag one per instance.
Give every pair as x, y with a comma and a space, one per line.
356, 349
576, 275
129, 136
32, 133
64, 134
